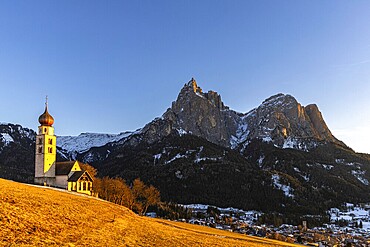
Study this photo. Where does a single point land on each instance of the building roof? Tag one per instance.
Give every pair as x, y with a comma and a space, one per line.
77, 175
64, 168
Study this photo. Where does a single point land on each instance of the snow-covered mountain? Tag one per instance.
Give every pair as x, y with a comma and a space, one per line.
15, 134
85, 141
280, 119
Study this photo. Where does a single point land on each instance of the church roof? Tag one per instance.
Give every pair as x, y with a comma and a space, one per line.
77, 174
64, 168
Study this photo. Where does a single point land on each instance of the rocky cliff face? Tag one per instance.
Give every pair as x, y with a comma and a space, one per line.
280, 119
283, 121
202, 114
193, 112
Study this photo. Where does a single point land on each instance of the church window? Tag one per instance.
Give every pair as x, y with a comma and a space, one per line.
84, 186
40, 140
50, 141
40, 150
45, 130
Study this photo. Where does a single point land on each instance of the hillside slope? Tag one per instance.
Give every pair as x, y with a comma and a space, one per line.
34, 216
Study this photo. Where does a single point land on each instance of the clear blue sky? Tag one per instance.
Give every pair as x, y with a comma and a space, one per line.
112, 66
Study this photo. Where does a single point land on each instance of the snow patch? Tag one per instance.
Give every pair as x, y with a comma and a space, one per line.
7, 139
241, 134
285, 188
62, 154
359, 175
293, 143
197, 160
290, 143
306, 177
156, 157
327, 167
200, 95
178, 174
108, 153
181, 132
89, 158
340, 161
267, 139
260, 160
178, 156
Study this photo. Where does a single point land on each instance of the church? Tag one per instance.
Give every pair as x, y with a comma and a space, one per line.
67, 175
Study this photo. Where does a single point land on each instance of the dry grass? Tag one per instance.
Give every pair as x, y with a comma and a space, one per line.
32, 216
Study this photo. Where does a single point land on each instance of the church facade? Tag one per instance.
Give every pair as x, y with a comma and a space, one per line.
67, 175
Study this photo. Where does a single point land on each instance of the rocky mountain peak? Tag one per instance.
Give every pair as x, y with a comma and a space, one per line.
201, 114
194, 86
280, 119
279, 100
191, 89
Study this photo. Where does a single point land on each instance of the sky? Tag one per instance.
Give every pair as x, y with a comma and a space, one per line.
113, 66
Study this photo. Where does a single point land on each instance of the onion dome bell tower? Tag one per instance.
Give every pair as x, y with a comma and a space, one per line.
45, 156
46, 119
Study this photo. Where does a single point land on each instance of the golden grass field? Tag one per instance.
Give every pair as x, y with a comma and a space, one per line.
34, 216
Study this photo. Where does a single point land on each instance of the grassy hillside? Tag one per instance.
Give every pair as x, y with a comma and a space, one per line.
33, 216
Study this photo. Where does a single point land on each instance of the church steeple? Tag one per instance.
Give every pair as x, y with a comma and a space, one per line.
46, 119
45, 155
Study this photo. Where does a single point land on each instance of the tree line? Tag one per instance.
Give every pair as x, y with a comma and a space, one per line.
138, 196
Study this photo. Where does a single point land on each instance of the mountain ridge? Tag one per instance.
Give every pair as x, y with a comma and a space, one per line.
201, 151
279, 119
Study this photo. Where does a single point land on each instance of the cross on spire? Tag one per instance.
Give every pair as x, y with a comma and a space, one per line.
46, 102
